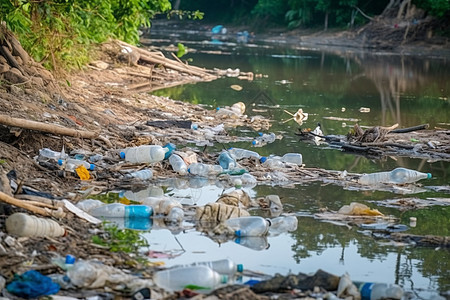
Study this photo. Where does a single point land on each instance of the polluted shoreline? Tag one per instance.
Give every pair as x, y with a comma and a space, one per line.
56, 176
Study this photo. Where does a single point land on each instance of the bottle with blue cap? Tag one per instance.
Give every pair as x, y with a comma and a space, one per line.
238, 153
71, 164
145, 153
396, 176
273, 162
379, 291
120, 210
249, 226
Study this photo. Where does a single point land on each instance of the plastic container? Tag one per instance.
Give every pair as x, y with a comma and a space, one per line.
144, 154
49, 154
145, 174
238, 153
178, 164
273, 162
202, 278
71, 164
292, 158
378, 291
21, 224
283, 224
119, 210
201, 169
222, 266
398, 176
226, 161
249, 226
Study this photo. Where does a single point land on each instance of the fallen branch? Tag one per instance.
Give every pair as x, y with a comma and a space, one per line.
23, 204
410, 129
422, 240
51, 128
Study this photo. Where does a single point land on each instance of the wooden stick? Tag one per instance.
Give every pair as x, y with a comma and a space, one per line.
51, 128
23, 204
409, 129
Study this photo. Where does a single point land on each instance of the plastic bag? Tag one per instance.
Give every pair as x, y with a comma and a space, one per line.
32, 284
358, 209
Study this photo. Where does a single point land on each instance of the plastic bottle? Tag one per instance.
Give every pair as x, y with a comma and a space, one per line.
264, 138
257, 243
273, 162
21, 224
144, 154
283, 224
202, 169
292, 158
178, 164
222, 266
226, 161
378, 291
200, 277
71, 164
171, 147
145, 174
238, 153
249, 226
119, 210
47, 154
398, 175
166, 206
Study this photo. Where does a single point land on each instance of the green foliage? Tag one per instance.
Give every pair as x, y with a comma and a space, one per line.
437, 8
125, 240
181, 50
61, 32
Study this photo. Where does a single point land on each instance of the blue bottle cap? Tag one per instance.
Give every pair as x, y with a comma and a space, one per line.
238, 233
194, 126
254, 142
171, 147
240, 267
70, 259
260, 133
217, 108
428, 175
263, 159
91, 167
122, 155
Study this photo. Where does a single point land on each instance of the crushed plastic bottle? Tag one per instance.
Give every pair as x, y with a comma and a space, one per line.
238, 153
396, 176
202, 169
249, 226
200, 278
264, 138
283, 224
119, 210
49, 154
70, 164
379, 291
178, 164
226, 161
272, 162
21, 224
145, 174
144, 154
166, 206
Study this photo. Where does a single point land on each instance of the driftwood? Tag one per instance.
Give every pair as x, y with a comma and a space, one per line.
410, 129
24, 204
51, 128
422, 240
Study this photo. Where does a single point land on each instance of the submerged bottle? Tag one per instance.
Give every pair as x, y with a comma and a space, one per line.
202, 169
144, 154
238, 153
22, 224
71, 164
145, 174
119, 210
222, 266
166, 206
379, 291
178, 164
283, 224
226, 161
398, 175
249, 226
195, 277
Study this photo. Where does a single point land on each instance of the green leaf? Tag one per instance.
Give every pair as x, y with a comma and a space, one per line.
181, 50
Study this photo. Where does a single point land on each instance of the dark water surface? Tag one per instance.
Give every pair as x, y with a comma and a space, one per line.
397, 89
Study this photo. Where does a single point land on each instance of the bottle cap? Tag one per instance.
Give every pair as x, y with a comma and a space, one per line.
70, 259
217, 108
260, 133
238, 233
254, 142
122, 155
60, 162
91, 167
224, 279
169, 147
194, 126
263, 159
428, 175
240, 267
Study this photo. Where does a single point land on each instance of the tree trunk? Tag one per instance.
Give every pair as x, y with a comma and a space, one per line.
325, 26
176, 6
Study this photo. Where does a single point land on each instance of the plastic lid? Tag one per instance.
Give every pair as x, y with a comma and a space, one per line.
60, 162
238, 233
240, 267
70, 259
254, 142
263, 159
428, 175
260, 133
122, 155
194, 126
217, 108
91, 167
224, 279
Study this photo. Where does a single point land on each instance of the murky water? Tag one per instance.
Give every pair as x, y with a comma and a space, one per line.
332, 88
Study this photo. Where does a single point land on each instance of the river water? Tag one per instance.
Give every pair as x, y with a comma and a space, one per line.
334, 87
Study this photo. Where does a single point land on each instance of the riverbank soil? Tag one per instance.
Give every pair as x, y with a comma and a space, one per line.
98, 110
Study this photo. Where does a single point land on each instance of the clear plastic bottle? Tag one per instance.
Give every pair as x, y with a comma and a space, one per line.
145, 174
398, 176
21, 224
71, 164
144, 154
222, 266
283, 224
273, 162
264, 138
119, 210
177, 279
49, 154
166, 206
202, 169
249, 226
170, 148
292, 158
226, 161
257, 243
238, 153
178, 164
378, 291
